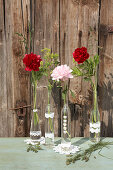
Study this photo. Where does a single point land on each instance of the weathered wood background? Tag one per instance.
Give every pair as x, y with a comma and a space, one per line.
62, 26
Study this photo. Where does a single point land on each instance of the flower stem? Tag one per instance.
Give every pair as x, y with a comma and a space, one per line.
36, 118
65, 96
94, 85
50, 120
35, 85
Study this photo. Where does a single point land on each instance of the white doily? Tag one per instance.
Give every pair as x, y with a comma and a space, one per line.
61, 149
34, 142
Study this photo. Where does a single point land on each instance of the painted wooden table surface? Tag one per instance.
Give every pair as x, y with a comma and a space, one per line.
13, 156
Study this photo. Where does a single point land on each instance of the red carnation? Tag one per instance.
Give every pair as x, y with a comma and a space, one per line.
32, 62
80, 55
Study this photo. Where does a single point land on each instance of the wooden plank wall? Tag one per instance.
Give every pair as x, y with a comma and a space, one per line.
45, 21
78, 27
14, 80
106, 68
62, 26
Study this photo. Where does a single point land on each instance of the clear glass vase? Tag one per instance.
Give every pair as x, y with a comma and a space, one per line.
49, 122
35, 130
66, 126
94, 127
49, 125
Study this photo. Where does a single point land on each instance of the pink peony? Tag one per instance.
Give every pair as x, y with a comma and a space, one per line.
62, 72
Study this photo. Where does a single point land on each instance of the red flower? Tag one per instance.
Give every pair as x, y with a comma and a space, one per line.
32, 62
80, 55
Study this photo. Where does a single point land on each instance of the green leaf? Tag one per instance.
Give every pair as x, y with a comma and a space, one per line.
96, 60
34, 148
19, 34
72, 94
77, 72
59, 86
63, 96
87, 78
81, 66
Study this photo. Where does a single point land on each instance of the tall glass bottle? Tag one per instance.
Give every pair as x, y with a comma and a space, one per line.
66, 122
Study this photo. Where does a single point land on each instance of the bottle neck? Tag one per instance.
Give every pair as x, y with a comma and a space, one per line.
66, 99
49, 95
95, 103
66, 94
95, 92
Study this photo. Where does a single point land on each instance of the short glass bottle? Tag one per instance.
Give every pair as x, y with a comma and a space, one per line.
49, 121
35, 130
49, 125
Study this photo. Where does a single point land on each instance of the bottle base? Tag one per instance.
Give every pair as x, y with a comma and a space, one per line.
49, 139
95, 138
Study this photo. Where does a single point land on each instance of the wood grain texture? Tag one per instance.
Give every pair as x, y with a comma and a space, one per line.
78, 27
106, 68
20, 18
6, 67
14, 81
45, 22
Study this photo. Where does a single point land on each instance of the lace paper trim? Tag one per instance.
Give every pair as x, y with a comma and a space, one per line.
94, 127
35, 133
35, 110
47, 115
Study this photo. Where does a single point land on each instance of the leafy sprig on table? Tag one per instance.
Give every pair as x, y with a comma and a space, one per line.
34, 148
85, 155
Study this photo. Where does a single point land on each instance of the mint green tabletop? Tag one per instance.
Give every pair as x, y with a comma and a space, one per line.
13, 156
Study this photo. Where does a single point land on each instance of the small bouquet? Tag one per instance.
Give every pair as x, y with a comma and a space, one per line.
32, 63
63, 73
87, 68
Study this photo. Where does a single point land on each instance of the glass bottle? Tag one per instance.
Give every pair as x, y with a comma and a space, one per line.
49, 122
66, 122
95, 116
66, 125
35, 130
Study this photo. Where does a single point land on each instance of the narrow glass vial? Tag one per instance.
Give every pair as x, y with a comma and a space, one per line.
66, 126
49, 125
